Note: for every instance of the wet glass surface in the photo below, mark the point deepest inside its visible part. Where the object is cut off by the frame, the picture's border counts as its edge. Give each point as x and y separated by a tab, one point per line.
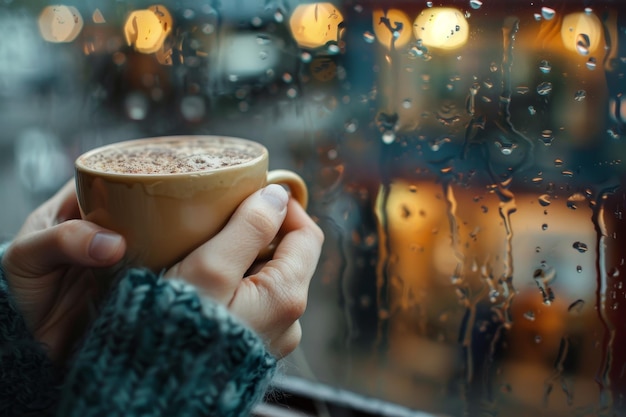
464	160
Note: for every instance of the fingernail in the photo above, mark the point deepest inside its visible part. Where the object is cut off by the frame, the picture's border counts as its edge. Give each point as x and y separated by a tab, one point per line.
104	245
276	195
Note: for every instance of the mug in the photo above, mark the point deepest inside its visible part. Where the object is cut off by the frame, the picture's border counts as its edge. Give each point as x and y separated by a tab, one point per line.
165	213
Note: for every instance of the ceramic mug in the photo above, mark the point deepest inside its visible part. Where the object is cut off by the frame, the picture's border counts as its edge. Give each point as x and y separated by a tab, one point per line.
168	195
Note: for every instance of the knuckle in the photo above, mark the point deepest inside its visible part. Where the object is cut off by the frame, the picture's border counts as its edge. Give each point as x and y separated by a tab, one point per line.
260	223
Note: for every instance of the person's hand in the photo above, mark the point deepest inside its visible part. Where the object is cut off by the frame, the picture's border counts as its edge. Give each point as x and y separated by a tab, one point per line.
49	270
272	296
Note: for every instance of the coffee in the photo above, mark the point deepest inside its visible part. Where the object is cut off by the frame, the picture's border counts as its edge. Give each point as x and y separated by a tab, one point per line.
173	156
169	195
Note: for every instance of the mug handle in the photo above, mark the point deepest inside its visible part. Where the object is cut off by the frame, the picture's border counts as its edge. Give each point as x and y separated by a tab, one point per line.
293	181
297	188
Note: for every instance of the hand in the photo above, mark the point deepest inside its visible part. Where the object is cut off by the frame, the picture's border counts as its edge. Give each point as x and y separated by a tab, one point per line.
49	269
272	296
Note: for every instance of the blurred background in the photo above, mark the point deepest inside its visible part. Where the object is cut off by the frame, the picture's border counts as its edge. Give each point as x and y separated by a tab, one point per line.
464	160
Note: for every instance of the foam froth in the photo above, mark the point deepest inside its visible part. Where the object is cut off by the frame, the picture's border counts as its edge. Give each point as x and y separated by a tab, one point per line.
175	156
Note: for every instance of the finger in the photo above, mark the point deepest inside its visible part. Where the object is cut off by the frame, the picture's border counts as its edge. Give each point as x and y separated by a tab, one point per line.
281	345
218	266
276	296
67	202
74	242
59	208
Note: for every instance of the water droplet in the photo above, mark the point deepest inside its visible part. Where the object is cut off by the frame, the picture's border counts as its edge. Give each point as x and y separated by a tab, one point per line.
580	95
369	37
567	173
558	162
529	315
580	247
576	307
582	44
537	180
544	200
407	103
544	88
531	110
591	64
476	4
351	126
537	16
547	13
279	17
579	269
544	226
547	137
388	137
429	4
538	339
545	67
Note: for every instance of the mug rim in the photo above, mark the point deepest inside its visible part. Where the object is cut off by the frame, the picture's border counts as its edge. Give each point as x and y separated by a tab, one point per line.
80	166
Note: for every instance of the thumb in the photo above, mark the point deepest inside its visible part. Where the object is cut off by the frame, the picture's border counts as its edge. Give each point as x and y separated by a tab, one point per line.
74	242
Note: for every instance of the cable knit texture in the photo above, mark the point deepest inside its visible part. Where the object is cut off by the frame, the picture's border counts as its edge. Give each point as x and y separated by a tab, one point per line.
156	349
28	381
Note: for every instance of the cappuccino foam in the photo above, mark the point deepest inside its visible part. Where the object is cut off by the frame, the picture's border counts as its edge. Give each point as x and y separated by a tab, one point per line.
170	156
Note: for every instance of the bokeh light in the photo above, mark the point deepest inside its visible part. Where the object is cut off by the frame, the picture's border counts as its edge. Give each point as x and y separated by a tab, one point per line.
315	25
442	28
147	29
60	23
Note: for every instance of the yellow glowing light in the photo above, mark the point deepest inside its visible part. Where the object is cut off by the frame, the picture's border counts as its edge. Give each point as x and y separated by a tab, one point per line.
441	27
60	23
147	29
581	32
392	27
314	25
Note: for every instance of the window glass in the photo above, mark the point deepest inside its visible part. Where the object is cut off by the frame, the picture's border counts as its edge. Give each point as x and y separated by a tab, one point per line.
465	161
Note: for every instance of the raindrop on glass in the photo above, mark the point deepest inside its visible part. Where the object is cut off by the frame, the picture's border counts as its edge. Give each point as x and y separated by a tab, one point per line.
351	126
580	95
537	16
547	13
529	315
591	64
544	226
544	200
538	339
580	247
547	137
579	269
531	110
407	104
292	93
429	4
256	21
333	49
279	17
545	67
476	4
576	307
388	137
583	43
369	37
544	88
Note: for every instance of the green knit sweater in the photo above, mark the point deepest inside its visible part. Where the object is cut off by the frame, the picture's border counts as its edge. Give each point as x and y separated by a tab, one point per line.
156	349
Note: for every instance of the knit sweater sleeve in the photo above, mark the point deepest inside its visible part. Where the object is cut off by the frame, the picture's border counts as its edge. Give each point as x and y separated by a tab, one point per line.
29	384
158	349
